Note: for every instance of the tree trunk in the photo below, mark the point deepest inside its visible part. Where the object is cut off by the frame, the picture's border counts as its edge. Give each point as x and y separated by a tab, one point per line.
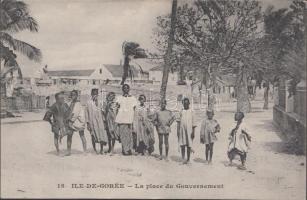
243	103
167	60
181	73
210	99
266	95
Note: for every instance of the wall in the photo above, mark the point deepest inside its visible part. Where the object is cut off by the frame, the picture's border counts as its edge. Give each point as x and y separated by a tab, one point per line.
290	115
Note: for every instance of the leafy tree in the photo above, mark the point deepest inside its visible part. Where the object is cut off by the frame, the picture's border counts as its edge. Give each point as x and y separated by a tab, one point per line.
219	36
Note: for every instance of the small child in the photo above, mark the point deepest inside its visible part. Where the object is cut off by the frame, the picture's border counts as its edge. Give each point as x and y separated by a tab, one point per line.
186	129
239	141
209	127
110	114
143	128
163	120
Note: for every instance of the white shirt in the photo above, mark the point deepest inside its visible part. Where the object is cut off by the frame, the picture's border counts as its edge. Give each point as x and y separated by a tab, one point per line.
125	113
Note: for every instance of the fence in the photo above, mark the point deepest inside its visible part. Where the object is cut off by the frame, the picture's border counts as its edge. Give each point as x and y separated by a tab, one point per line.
23	103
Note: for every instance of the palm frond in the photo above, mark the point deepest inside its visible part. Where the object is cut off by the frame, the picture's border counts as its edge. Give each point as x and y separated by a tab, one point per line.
26	49
15	17
30	51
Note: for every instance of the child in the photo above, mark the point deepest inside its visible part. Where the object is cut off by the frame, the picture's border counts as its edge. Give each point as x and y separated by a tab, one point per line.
186	129
208	129
141	127
110	115
76	120
57	117
163	120
239	141
94	115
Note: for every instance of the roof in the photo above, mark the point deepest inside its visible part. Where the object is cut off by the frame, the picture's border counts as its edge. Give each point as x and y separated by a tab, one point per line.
117	70
86	72
156	68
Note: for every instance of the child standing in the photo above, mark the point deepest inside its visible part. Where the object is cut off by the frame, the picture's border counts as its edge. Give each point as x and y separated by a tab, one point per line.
186	129
209	127
239	141
110	115
163	120
142	127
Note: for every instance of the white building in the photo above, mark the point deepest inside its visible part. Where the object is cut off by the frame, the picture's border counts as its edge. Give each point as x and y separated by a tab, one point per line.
105	74
155	75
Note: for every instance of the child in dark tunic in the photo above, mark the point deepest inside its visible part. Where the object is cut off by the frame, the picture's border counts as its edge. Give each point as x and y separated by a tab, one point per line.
57	116
110	114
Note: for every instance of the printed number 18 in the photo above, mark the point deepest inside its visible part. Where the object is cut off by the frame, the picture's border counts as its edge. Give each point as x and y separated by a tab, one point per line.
61	185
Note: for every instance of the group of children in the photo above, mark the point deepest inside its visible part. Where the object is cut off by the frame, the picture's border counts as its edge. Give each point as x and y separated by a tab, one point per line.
132	123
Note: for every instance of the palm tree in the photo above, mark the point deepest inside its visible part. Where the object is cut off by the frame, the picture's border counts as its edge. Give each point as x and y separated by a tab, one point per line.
15	17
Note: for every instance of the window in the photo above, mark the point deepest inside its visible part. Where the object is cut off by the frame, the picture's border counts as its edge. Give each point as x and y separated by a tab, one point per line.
54	81
100	71
94	82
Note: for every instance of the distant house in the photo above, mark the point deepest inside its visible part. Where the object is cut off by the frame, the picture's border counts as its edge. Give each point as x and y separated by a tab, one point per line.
105	74
155	75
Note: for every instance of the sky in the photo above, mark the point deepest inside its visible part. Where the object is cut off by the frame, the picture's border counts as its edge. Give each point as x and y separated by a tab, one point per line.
86	33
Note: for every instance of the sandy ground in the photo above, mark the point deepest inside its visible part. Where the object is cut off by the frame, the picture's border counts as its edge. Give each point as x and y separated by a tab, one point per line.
30	168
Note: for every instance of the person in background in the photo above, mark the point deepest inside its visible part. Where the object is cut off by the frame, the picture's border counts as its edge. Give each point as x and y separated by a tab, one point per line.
186	129
110	115
94	117
209	127
57	117
76	120
47	102
240	141
124	119
163	121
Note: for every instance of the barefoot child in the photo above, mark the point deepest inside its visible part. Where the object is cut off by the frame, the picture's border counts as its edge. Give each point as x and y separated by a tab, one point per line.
186	130
163	121
57	117
110	115
239	141
209	127
142	127
76	118
94	115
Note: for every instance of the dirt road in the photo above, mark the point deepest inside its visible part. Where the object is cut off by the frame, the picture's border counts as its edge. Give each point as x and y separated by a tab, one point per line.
30	168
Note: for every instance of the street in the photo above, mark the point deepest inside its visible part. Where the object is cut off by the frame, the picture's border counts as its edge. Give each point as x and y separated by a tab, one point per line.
30	167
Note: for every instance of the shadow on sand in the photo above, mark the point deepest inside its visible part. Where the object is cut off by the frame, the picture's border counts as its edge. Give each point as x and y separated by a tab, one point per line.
63	152
199	160
176	159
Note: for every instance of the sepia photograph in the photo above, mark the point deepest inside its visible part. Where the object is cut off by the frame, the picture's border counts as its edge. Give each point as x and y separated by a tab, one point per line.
153	99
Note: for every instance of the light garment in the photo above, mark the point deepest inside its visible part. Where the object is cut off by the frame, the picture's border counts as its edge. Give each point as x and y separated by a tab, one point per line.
163	120
239	138
94	116
77	116
207	131
142	125
187	122
125	113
